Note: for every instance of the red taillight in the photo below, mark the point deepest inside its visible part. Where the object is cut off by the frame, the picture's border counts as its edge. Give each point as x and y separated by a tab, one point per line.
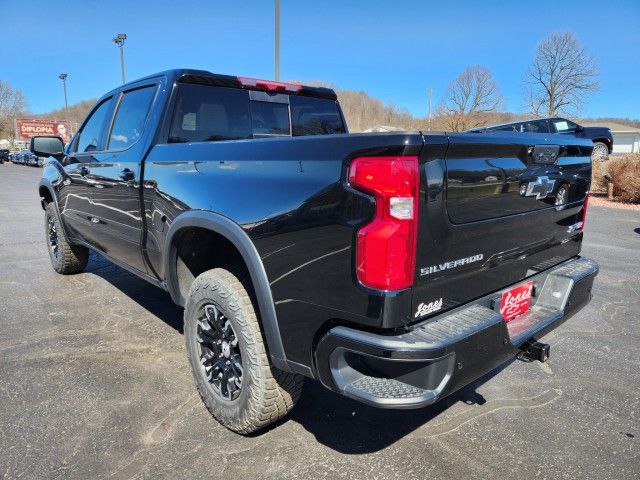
584	211
269	85
386	247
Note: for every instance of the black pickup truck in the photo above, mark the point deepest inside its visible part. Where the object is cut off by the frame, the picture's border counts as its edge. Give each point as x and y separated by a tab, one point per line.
393	268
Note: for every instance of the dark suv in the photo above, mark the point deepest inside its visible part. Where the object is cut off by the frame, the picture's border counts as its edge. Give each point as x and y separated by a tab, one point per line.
600	136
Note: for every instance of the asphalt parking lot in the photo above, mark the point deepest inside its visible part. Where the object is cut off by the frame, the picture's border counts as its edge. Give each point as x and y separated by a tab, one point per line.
94	383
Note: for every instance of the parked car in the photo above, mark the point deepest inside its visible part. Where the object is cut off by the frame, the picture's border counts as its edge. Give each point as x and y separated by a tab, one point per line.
15	157
394	268
28	158
601	137
4	155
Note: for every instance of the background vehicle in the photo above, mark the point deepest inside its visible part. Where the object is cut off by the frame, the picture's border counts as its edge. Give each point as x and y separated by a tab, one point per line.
23	157
28	158
4	155
16	157
601	137
31	160
395	268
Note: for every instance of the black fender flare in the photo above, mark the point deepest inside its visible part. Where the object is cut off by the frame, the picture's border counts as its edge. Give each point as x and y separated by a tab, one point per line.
239	238
44	182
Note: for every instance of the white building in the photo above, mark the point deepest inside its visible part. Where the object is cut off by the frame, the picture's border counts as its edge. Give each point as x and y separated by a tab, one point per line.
626	141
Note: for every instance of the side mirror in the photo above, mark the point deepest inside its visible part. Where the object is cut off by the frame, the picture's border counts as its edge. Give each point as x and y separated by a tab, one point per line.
46	146
579	128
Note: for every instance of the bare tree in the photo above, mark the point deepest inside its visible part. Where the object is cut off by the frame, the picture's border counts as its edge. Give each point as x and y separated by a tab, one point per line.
470	95
12	104
563	74
363	112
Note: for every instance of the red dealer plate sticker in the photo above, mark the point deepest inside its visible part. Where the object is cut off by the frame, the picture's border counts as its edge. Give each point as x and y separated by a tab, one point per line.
516	301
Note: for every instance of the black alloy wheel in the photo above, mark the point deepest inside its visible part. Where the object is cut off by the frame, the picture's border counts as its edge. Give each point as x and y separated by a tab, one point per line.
53	237
219	352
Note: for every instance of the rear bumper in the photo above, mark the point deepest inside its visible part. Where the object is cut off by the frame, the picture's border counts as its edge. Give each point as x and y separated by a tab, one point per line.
445	353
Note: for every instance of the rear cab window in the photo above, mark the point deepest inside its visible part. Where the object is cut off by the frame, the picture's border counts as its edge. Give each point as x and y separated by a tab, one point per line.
315	116
205	113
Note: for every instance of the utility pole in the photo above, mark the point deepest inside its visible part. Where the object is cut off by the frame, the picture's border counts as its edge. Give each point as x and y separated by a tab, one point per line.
119	41
430	95
277	41
63	77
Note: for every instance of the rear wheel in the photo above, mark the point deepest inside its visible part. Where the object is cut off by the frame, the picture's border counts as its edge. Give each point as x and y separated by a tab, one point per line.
228	358
65	258
600	151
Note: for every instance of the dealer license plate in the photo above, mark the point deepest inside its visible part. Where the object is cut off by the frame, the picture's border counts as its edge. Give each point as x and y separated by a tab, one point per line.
516	301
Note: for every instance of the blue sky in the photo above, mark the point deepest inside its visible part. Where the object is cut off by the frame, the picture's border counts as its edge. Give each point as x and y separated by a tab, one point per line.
393	49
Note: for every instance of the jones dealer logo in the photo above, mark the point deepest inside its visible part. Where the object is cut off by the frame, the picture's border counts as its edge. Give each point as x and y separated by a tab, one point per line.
516	301
426	308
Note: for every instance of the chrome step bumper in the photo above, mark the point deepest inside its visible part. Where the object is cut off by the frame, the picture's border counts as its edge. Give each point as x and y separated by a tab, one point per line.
446	352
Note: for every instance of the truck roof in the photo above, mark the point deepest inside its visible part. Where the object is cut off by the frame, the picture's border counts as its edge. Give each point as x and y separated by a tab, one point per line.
514	122
190	75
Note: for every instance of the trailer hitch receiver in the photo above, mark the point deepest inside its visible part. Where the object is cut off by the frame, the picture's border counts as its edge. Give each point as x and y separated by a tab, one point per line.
532	350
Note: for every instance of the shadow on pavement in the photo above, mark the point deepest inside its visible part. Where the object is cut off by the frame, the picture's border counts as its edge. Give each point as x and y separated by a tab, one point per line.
337	422
350	427
155	300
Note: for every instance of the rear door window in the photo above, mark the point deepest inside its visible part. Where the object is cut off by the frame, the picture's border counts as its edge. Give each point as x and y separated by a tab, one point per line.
506	128
535	126
543	126
130	117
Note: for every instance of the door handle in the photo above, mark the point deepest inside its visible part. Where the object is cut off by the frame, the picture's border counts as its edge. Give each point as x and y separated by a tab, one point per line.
84	171
127	175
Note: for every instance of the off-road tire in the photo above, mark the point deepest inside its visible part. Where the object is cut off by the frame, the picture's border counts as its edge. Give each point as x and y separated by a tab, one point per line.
267	394
69	258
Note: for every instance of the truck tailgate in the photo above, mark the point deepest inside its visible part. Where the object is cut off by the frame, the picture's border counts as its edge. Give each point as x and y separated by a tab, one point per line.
496	209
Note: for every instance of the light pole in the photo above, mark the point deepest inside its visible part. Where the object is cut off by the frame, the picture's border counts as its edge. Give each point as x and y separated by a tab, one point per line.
119	41
63	77
277	41
430	94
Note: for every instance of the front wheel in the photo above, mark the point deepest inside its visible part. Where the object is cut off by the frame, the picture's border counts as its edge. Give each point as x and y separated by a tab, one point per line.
65	257
228	358
600	151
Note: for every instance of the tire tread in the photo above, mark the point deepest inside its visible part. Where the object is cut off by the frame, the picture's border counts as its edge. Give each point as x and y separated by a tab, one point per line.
277	391
72	258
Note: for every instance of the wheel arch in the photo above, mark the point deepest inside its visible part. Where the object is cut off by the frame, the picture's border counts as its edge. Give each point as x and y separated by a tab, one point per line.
47	193
234	233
